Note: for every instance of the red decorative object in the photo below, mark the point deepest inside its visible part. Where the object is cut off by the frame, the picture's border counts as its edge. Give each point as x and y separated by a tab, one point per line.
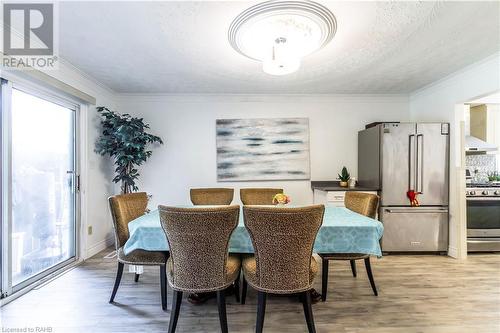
412	195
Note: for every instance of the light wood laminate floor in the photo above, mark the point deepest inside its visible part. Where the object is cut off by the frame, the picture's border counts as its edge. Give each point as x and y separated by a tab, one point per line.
416	294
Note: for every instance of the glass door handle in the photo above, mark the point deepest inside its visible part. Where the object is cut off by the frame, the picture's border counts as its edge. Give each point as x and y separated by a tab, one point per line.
77	180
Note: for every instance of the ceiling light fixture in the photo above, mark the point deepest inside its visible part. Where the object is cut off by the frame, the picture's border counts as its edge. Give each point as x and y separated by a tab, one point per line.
281	33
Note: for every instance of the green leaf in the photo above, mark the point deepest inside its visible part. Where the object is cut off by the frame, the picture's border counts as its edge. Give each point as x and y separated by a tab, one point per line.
124	139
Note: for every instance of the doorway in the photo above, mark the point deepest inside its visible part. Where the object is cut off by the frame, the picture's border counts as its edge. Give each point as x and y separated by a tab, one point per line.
39	189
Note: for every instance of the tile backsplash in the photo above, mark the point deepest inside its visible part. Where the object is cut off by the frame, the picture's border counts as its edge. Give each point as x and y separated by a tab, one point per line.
480	166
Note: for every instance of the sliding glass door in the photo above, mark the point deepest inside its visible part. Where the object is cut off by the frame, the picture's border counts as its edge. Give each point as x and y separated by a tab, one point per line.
39	186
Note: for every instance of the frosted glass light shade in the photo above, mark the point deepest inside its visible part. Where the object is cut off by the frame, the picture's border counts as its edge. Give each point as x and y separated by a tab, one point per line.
280	66
306	26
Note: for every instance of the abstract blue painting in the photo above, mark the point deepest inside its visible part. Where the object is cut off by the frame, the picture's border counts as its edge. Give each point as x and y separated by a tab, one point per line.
262	149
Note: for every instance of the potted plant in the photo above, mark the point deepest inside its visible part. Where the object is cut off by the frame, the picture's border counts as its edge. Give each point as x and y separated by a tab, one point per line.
344	177
494	177
125	140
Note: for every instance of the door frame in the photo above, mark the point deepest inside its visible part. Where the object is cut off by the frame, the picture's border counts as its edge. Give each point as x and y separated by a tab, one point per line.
6	189
458	167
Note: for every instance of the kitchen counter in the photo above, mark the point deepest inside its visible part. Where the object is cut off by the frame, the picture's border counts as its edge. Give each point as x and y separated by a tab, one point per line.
334	186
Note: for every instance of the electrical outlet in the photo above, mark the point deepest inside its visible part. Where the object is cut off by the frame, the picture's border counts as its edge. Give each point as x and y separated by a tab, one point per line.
89	230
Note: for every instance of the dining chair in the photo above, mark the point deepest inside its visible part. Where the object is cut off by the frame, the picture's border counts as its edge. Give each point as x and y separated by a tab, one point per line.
364	204
211	196
199	262
258	196
125	208
283	241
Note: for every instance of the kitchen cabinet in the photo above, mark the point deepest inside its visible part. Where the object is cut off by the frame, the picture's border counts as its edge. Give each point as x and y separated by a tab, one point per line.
334	197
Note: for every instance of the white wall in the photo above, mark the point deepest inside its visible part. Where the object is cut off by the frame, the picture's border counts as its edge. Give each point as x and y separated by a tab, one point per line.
440	102
494	128
187	125
437	100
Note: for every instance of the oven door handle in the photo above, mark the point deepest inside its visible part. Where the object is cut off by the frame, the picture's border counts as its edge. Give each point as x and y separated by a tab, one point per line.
483	198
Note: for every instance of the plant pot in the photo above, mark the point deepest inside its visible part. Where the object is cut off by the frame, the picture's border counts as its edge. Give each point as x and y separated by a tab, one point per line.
343	184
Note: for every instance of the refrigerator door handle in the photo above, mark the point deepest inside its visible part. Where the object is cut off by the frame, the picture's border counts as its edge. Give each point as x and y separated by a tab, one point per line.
411	162
419	172
409	210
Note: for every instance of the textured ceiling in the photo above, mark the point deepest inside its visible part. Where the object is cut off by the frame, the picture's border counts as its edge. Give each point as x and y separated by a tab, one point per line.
182	47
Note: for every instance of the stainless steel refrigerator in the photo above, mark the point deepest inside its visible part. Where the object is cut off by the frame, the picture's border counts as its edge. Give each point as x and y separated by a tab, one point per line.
397	157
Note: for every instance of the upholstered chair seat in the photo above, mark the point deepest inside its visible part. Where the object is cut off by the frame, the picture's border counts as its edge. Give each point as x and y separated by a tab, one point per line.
258	196
233	265
125	208
365	204
211	196
142	257
249	266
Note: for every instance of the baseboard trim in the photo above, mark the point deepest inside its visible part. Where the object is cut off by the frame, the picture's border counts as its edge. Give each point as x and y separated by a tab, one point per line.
102	245
453	252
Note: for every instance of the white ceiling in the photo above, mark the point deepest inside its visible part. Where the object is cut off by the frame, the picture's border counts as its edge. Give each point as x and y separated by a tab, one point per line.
182	47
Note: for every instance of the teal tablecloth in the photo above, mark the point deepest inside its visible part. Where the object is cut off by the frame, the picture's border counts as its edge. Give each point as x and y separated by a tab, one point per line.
342	231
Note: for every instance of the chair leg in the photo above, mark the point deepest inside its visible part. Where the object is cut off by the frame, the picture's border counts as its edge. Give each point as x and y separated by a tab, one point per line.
163	287
370	275
136	278
324	280
306	302
237	288
353	268
261	311
176	306
221	304
119	274
244	288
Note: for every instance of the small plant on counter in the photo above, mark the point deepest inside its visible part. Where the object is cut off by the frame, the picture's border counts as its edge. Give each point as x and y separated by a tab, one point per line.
344	177
125	140
494	177
281	199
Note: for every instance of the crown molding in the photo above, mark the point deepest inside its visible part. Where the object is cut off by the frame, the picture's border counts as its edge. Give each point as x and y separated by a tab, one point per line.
446	81
65	63
265	98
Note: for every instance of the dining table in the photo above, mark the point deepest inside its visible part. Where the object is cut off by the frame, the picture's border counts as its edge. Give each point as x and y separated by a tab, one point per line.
342	231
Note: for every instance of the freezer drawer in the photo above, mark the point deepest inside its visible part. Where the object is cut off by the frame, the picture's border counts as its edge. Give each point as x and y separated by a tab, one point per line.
414	229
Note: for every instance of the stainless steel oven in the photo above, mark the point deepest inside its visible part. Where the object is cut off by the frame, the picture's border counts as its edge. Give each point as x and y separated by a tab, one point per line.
483	218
